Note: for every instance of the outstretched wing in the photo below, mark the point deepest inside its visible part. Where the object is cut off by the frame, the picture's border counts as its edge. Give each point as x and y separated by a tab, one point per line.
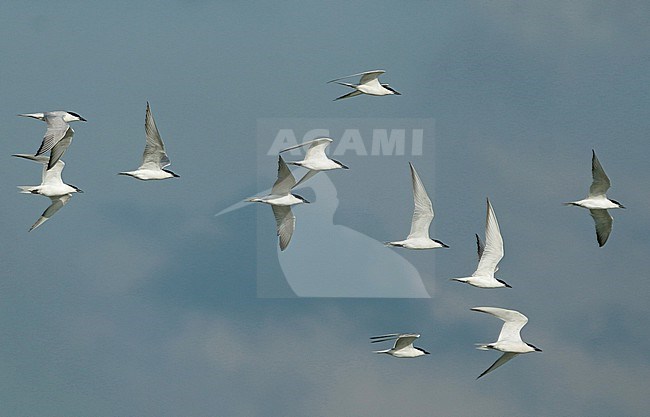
603	221
513	322
285	223
305	177
601	182
423	210
285	181
502	359
316	147
493	250
57	129
368	75
384	337
57	203
371	77
59	149
405	340
348	95
154	154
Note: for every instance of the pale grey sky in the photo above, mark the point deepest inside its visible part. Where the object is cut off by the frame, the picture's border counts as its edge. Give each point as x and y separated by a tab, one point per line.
135	300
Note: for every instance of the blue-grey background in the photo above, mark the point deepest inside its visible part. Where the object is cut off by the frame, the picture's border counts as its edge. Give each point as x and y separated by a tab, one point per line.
135	300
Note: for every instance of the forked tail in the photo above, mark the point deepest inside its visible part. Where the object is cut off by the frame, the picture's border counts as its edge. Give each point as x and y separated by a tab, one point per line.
27	189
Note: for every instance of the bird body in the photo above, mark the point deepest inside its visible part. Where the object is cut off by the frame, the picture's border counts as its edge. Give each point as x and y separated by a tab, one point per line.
278	200
419	238
51	183
154	157
318	165
418	243
153	173
403	346
596	203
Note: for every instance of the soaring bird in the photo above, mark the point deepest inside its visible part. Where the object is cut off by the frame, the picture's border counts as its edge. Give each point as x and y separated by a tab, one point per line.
419	238
51	186
597	202
154	158
368	84
489	255
281	201
403	347
509	341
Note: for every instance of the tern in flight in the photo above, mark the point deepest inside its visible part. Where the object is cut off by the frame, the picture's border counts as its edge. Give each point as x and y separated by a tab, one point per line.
418	238
281	201
509	341
315	158
154	158
597	202
51	186
489	255
368	84
58	135
403	347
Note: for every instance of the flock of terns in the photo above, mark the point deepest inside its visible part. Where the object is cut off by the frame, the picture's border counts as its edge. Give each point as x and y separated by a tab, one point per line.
58	138
490	254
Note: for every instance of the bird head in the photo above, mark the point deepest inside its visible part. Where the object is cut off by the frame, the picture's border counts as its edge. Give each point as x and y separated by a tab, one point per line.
617	203
72	117
301	198
505	284
388	87
534	347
